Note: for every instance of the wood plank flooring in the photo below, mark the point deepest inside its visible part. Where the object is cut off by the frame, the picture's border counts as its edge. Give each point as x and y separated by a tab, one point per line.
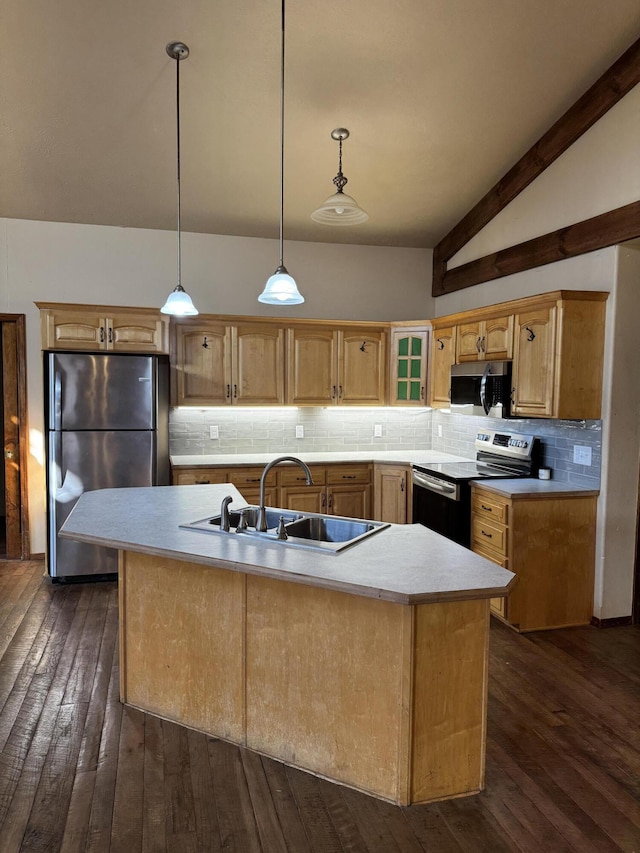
80	772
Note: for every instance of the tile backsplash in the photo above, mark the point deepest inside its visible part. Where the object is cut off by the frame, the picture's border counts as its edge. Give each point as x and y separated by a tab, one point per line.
273	430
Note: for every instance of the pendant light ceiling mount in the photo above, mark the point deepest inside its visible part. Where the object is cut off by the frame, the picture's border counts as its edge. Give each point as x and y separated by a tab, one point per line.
281	288
179	302
340	208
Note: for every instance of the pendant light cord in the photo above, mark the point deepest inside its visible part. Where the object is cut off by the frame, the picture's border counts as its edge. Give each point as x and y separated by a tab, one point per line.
282	139
178	168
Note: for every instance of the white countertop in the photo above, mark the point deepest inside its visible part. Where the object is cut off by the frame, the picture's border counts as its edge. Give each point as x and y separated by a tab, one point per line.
407	564
531	487
401	457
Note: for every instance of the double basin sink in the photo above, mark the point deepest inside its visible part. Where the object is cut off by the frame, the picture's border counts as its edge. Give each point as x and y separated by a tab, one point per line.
326	533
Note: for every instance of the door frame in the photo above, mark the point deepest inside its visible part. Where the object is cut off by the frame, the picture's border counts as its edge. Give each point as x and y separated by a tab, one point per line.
21	497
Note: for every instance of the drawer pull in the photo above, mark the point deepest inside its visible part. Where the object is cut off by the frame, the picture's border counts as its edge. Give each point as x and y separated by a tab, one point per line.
349	476
203	482
486	508
252	479
488	535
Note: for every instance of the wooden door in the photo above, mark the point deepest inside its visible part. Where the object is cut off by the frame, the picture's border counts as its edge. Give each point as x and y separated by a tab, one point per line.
362	368
534	363
391	492
443	350
312	367
14	424
203	365
408	367
137	332
468	342
258	365
74	329
353	501
497	338
303	498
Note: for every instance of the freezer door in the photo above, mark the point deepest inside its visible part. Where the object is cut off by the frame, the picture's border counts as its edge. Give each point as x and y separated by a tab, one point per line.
101	391
81	462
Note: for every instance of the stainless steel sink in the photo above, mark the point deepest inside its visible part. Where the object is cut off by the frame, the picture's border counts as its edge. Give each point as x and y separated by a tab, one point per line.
326	533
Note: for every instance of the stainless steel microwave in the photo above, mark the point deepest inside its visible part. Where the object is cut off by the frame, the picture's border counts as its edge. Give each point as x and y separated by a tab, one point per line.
481	388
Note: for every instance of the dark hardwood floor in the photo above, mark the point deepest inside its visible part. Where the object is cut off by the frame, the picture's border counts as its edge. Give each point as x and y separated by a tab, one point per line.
79	772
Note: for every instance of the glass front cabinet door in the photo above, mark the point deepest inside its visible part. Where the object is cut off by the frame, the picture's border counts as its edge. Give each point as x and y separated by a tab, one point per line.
408	366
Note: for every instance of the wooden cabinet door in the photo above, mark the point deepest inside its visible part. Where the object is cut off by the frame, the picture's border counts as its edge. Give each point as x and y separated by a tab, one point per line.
496	340
304	498
534	363
203	365
137	332
468	342
258	365
74	330
443	351
199	476
362	367
352	501
408	367
312	367
391	493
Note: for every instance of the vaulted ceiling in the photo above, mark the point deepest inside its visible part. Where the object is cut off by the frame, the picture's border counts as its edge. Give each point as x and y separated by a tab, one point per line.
441	97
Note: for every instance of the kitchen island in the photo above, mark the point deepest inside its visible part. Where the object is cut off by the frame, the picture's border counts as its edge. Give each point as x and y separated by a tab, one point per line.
367	667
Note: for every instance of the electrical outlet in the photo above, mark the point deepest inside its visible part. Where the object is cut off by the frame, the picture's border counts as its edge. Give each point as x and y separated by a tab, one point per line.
439	430
214	432
377	430
581	454
299	431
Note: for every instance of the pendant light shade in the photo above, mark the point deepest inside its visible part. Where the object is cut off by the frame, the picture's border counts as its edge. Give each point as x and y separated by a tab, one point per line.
281	288
340	208
179	302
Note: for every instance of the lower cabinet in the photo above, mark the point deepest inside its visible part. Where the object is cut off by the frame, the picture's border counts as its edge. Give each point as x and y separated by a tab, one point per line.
392	493
548	541
337	489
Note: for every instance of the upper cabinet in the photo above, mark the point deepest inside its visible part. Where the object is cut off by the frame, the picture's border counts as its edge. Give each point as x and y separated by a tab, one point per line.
485	340
408	366
328	367
98	327
218	364
443	355
556	341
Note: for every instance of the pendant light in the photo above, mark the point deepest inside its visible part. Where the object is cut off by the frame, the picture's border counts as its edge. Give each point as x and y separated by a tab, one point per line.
281	288
340	208
179	302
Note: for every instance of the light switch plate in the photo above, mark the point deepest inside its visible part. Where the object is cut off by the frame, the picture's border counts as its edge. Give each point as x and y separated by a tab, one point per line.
214	432
377	430
581	454
299	431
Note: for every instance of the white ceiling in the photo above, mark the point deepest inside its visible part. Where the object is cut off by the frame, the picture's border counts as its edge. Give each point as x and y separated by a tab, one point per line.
441	98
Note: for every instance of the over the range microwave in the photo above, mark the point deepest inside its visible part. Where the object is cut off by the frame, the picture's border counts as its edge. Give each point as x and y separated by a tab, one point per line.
481	389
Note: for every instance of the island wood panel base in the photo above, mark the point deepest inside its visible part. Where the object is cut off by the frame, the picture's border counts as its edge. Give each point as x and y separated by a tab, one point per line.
386	698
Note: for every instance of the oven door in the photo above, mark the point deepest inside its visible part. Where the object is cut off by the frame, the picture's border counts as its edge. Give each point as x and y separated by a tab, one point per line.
442	506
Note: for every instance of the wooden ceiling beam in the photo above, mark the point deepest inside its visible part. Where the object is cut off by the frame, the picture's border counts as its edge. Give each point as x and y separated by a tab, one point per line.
601	231
613	85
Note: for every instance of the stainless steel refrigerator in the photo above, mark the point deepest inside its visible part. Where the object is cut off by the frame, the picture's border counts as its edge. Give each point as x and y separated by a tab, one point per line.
107	420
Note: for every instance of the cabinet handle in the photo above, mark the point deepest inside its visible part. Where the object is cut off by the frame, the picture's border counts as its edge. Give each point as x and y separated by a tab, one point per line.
478	345
422	392
204	344
101	334
110	335
203	482
340	391
402	485
513	391
488	535
333	392
531	334
486	508
228	391
482	346
323	500
330	500
252	479
440	343
349	476
235	392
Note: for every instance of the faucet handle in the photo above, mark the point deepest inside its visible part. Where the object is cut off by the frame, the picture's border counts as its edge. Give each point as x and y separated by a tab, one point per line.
242	521
282	530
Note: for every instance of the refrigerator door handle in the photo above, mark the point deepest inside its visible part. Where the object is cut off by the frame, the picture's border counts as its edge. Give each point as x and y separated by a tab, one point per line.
55	463
57	401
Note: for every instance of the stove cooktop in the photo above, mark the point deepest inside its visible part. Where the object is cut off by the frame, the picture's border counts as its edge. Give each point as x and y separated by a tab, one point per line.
459	471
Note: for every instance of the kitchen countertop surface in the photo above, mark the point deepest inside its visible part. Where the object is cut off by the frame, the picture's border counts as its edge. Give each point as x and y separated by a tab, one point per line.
401	457
530	487
407	564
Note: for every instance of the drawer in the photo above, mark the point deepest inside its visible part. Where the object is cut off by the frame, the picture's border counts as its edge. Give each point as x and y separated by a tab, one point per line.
199	476
345	474
250	476
292	475
489	554
488	506
486	534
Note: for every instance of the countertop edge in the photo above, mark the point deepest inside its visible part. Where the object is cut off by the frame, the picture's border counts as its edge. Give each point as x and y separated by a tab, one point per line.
545	489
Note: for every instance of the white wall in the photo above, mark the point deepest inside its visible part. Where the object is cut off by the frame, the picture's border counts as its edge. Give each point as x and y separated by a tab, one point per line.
60	262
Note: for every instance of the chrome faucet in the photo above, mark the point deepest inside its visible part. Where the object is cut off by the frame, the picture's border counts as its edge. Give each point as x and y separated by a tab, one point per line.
224	513
261	524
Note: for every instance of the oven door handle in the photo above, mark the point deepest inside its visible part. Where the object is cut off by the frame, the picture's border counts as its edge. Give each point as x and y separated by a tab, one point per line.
426	483
486	404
